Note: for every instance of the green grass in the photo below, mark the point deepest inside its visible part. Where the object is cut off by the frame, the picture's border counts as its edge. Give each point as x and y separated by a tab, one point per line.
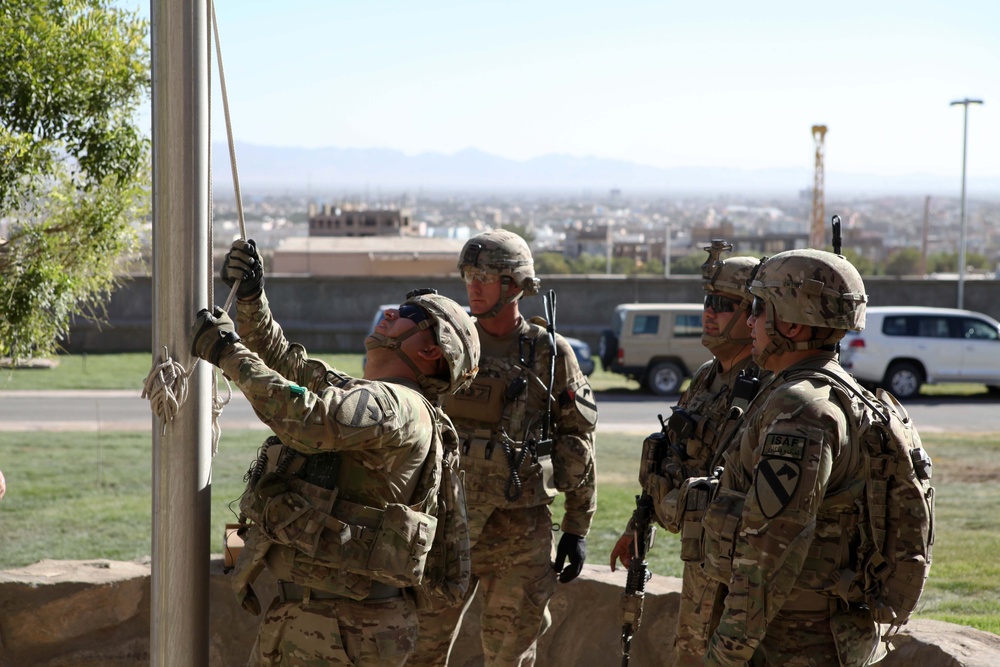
88	495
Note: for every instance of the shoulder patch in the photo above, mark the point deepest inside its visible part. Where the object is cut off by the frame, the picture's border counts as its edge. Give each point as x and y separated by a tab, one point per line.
359	409
775	483
582	398
784	446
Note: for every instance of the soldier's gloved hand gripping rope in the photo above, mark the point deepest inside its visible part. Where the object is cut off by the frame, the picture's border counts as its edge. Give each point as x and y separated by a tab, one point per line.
243	264
213	332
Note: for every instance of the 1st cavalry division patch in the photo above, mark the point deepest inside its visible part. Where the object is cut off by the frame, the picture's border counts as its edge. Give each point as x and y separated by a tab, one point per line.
359	409
778	472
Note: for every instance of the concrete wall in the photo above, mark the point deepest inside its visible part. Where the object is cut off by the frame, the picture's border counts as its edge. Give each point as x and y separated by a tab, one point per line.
332	314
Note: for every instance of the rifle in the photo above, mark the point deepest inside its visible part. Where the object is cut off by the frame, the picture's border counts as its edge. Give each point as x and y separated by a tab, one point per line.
643	533
512	491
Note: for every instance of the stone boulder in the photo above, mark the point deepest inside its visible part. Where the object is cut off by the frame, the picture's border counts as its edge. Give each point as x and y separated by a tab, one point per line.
97	614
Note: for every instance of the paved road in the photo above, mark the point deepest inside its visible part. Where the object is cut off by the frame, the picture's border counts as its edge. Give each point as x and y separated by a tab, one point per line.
621	411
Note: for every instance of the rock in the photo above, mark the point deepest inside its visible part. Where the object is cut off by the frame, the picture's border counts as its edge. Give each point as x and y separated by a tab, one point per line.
97	614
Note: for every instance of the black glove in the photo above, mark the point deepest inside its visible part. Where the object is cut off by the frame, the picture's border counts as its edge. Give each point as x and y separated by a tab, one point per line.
575	548
243	263
213	332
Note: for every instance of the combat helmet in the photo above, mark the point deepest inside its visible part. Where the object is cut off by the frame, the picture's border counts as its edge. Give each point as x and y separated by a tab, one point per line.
730	276
454	332
811	287
501	253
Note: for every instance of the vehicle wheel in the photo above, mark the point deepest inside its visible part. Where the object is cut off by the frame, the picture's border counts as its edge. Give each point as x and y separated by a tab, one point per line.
607	348
904	379
665	378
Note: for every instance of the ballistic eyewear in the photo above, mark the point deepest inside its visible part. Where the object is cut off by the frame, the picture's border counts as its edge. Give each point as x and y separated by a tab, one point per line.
481	278
415	314
720	304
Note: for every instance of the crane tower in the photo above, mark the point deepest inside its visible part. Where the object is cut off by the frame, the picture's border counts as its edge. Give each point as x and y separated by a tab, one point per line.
817	228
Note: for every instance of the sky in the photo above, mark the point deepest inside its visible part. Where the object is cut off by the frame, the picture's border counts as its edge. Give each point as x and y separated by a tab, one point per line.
666	83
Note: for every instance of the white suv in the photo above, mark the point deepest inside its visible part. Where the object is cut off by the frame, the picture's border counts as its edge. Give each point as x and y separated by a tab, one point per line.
905	347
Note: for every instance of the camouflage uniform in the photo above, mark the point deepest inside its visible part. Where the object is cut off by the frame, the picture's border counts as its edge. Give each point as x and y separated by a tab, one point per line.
351	449
783	525
512	537
702	425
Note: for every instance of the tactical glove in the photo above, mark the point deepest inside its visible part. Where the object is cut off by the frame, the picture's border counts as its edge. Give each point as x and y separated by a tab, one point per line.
573	547
213	332
243	263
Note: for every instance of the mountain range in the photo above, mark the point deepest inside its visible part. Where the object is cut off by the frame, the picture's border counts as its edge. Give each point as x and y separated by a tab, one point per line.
274	169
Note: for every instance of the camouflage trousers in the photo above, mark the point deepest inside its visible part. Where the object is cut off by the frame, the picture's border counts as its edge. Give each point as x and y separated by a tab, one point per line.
698	614
847	638
336	631
512	571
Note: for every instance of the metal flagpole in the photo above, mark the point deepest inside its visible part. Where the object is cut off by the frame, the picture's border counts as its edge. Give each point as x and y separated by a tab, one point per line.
961	244
182	450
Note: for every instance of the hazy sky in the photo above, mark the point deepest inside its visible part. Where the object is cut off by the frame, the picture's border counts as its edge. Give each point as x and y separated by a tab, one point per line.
666	83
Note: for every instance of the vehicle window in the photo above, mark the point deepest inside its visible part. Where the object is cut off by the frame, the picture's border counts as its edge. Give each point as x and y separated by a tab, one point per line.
687	326
933	327
977	329
646	324
896	326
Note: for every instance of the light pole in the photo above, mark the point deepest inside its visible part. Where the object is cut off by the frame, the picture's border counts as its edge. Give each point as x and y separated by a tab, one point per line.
961	244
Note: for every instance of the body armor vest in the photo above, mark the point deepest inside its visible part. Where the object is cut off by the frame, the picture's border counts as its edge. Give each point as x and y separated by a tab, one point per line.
313	528
500	423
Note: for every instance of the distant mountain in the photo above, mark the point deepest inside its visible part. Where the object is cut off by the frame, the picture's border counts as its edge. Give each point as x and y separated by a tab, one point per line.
273	168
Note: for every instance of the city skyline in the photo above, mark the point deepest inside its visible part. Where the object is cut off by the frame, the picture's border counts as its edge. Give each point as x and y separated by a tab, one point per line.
663	84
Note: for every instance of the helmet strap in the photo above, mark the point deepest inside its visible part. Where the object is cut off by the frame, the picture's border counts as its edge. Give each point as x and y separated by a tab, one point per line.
725	336
395	343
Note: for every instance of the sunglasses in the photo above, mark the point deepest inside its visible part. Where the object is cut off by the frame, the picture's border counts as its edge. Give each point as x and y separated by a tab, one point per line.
719	303
415	314
757	307
481	278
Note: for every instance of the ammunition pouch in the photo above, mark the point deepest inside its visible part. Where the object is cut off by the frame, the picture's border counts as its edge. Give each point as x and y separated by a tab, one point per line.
482	401
695	496
721	527
487	474
654	451
294	501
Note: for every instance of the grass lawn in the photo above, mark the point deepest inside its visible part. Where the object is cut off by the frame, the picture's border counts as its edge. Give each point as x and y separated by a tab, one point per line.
87	495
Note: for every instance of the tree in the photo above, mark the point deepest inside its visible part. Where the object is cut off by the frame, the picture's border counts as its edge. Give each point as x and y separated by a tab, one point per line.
521	231
903	262
74	165
551	263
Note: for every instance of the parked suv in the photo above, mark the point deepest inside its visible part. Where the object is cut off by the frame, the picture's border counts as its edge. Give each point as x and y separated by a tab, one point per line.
657	344
904	347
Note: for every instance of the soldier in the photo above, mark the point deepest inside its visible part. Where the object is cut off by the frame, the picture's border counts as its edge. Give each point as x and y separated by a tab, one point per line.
350	462
513	468
783	527
701	425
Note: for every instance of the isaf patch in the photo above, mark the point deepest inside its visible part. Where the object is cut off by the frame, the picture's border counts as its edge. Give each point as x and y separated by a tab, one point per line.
359	409
785	446
775	483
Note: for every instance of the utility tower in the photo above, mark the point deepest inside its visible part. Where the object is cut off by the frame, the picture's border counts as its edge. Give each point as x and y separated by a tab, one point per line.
817	228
